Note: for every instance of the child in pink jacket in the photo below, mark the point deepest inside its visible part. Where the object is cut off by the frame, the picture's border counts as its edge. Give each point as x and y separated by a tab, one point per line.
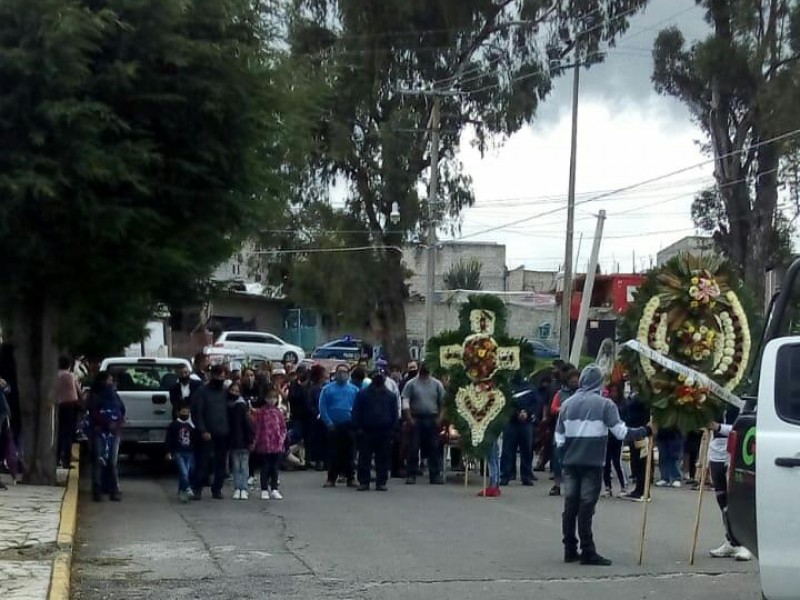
269	424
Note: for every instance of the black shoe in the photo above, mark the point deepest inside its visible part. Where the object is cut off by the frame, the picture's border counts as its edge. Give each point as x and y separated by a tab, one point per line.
352	484
527	483
363	488
114	497
217	496
595	560
571	556
196	497
381	488
539	469
411	480
534	478
437	481
555	490
504	482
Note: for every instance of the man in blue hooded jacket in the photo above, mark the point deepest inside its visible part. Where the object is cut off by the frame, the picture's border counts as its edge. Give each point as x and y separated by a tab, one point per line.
584	423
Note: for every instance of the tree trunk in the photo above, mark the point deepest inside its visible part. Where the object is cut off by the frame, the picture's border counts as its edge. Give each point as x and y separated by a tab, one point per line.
36	355
391	311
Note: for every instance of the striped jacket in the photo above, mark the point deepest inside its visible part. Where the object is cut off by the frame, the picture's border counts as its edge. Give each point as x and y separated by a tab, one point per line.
585	421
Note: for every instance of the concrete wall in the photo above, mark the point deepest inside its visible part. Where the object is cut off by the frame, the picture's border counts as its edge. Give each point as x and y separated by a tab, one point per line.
523	280
491	256
694	244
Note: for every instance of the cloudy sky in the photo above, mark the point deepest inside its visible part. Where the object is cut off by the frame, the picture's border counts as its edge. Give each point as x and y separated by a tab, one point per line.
627	134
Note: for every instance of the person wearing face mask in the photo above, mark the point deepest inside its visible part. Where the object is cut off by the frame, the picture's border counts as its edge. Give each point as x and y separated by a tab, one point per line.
336	411
181	392
240	439
210	416
423	406
181	442
269	426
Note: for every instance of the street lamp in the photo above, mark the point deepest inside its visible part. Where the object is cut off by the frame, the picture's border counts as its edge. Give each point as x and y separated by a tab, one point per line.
394	216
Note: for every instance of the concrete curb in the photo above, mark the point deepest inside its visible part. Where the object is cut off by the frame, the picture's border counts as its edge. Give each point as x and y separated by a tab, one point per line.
62	564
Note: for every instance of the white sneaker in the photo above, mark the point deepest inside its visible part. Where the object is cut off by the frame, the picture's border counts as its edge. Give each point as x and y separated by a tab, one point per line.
237	495
676	484
243	495
265	494
276	495
724	551
662	483
742	554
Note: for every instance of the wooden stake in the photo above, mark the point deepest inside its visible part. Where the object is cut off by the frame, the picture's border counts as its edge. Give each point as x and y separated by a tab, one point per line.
466	472
703	471
647	477
485	462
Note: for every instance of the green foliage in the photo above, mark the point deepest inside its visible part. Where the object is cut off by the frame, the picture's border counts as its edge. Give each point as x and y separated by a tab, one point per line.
142	140
370	138
742	85
457	377
464	275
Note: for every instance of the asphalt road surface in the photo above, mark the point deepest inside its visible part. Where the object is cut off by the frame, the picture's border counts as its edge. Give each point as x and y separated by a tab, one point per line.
412	542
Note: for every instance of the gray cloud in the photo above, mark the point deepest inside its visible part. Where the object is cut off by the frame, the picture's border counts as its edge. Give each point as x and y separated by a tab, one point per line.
623	79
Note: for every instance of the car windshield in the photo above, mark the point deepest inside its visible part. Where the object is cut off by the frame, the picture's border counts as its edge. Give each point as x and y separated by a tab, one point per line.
144	378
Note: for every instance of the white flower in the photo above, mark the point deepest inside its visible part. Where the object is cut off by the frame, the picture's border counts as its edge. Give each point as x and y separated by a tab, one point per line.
689	381
697	337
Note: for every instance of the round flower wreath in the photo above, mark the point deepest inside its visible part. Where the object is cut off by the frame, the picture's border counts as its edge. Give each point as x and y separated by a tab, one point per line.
688	311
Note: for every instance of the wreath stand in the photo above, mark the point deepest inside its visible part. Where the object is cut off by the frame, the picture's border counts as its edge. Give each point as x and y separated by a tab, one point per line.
648	476
703	474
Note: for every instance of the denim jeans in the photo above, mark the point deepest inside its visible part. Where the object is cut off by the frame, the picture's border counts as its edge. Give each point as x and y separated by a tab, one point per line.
184	461
581	491
493	464
670	455
555	462
517	435
241	464
105	474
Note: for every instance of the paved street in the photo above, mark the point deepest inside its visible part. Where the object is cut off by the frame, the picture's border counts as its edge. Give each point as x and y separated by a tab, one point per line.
412	542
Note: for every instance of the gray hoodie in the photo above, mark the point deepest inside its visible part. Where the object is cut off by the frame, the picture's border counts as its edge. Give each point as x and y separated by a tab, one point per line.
585	421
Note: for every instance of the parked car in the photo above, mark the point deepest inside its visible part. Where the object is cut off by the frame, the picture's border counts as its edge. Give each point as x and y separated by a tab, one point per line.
347	349
262	344
542	350
143	384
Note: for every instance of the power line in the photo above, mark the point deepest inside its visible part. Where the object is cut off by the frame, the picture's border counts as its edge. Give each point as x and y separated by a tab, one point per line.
633	186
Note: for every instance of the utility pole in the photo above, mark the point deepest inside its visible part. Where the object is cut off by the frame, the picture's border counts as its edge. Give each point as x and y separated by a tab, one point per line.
566	300
588	286
433	194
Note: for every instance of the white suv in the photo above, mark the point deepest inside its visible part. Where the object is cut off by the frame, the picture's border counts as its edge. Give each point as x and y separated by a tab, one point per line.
259	343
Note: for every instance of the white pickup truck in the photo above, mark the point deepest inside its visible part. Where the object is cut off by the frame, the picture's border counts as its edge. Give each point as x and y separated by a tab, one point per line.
143	384
764	484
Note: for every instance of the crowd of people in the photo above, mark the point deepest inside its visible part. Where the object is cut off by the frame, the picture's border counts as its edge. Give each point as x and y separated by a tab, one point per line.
250	425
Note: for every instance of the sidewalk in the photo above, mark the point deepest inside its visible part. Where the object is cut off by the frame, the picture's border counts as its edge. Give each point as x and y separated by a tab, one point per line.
35	545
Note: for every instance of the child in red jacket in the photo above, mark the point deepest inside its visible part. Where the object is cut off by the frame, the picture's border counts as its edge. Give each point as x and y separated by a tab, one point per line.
269	424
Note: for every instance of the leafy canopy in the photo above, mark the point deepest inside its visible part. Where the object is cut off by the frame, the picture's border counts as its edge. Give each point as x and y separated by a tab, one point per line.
141	138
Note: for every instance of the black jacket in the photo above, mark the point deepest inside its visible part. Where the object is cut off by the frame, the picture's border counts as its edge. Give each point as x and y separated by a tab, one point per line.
176	397
527	398
300	402
636	414
241	428
181	436
210	411
375	408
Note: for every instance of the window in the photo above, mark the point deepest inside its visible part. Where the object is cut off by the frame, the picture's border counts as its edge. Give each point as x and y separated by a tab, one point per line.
249	338
271	340
787	384
144	378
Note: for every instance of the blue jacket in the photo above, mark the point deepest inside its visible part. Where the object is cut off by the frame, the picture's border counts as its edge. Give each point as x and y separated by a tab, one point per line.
336	403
